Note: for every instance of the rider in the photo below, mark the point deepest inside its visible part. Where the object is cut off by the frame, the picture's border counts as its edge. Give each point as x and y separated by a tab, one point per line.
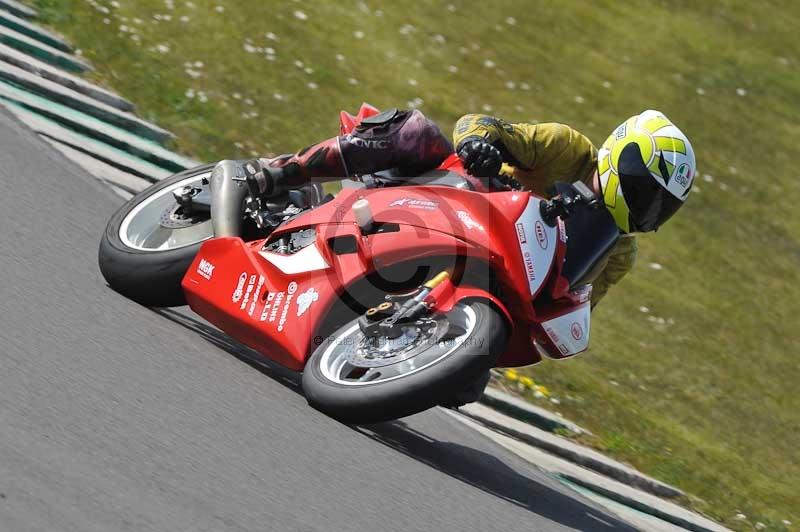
643	171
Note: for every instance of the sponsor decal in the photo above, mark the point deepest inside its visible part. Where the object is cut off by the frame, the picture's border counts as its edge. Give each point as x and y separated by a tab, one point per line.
256	296
305	300
276	305
205	269
413	203
467	220
552	334
285	312
562	231
267	306
250	285
239	291
683	175
369	144
529	269
576	330
564	349
541	236
521	234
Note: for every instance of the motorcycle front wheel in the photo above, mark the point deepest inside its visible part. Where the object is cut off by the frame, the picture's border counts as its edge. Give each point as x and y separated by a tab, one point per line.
150	242
360	379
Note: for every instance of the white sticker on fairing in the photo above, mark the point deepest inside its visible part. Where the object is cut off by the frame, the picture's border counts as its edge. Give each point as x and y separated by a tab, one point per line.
305	300
570	332
250	285
537	242
238	292
308	259
205	269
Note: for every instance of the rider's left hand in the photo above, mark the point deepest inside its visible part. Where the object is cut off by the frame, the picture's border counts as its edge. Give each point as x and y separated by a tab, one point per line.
480	158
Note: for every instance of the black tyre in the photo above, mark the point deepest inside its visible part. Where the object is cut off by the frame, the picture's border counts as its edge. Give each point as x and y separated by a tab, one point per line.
148	244
346	379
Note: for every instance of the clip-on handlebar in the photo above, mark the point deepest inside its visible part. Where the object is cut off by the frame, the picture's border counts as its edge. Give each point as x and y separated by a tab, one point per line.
565	204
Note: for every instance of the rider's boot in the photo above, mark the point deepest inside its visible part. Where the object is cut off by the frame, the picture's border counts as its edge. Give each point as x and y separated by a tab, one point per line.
316	164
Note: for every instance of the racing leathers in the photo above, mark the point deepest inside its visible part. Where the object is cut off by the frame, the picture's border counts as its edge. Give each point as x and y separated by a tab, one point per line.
538	155
405	140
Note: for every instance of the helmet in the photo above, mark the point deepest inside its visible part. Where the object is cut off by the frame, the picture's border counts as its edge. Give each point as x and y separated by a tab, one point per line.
646	169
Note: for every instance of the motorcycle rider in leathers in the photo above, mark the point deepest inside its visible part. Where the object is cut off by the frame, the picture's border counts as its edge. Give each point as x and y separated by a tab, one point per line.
643	172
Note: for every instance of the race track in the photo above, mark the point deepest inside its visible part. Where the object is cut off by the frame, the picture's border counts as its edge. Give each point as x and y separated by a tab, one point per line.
117	417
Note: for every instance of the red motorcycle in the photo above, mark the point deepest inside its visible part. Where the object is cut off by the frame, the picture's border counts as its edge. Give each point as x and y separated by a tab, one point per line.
391	298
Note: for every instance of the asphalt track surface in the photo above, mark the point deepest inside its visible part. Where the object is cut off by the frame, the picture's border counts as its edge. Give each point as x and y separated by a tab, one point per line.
117	417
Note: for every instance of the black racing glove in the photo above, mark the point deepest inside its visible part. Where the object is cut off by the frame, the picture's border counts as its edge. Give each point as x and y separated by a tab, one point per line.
480	158
260	180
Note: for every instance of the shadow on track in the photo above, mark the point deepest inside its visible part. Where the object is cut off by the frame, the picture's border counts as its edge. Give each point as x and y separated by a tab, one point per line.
490	474
476	468
275	371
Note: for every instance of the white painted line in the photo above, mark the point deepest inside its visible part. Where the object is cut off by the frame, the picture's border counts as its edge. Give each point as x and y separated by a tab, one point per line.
88	125
20	10
33	31
78	101
108	154
102	171
56	75
44	52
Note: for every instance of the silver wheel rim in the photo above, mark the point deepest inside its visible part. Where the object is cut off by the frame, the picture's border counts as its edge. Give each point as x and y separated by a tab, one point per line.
141	228
335	360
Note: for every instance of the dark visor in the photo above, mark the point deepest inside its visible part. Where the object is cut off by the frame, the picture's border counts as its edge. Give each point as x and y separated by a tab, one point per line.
649	203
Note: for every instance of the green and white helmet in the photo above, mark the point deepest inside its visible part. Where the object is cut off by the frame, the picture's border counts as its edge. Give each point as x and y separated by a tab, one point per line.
646	168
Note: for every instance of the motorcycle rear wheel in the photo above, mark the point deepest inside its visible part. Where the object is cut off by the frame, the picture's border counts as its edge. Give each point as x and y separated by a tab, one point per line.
343	384
148	245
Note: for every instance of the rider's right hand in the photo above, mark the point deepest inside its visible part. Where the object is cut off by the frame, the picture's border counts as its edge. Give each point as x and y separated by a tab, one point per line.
480	158
258	178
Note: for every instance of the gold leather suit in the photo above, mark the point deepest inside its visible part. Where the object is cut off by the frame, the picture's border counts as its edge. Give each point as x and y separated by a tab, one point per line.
538	155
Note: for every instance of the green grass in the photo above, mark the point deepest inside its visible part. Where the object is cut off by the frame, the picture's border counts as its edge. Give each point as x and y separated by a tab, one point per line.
706	400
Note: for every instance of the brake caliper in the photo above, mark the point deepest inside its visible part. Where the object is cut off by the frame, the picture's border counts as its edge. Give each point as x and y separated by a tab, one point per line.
387	319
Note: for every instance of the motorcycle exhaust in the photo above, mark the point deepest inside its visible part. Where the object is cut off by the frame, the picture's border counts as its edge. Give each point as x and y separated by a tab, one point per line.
228	192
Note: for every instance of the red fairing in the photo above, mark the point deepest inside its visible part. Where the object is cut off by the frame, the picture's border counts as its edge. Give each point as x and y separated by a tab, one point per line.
278	313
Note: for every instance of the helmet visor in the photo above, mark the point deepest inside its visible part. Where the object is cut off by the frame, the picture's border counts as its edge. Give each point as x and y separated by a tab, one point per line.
649	203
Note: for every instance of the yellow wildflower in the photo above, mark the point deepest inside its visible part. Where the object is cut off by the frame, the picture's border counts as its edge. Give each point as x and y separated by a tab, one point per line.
527	382
542	390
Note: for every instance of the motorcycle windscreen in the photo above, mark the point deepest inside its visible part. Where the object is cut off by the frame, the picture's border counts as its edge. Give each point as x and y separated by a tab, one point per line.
591	235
